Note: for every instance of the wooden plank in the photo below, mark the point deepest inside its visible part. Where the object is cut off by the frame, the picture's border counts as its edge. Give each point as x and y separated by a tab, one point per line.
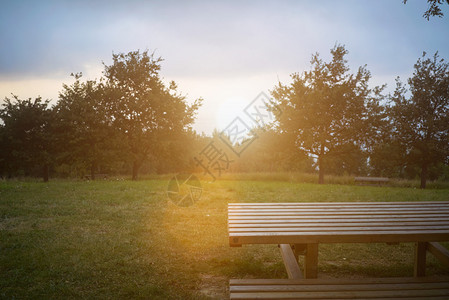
290	262
343	294
344	222
339	208
342	206
369	213
236	297
372	288
444	233
338	237
311	261
396	207
311	217
342	281
334	224
337	203
327	204
339	228
336	220
335	213
420	259
354	286
341	223
441	253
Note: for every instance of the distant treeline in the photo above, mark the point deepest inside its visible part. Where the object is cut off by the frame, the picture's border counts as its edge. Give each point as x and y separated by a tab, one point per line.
331	121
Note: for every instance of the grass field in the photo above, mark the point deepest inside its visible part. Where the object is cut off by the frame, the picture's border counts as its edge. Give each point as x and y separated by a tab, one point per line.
125	240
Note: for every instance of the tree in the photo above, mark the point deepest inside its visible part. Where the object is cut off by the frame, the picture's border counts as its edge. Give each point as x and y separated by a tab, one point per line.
142	108
433	9
421	120
84	130
27	136
327	109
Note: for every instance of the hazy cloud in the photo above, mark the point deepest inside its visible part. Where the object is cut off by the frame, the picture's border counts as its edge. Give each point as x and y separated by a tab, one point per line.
221	41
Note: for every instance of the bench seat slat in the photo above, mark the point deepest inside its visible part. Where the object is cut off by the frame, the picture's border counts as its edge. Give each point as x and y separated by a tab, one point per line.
339	224
336	203
344	295
319	232
335	281
339	228
374	288
339	287
334	220
322	205
335	213
365	217
340	208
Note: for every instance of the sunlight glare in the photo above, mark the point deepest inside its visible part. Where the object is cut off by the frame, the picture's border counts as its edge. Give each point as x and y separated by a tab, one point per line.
228	110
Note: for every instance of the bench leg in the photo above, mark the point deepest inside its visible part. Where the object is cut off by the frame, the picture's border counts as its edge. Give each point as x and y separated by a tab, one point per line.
441	253
311	261
299	249
290	262
420	259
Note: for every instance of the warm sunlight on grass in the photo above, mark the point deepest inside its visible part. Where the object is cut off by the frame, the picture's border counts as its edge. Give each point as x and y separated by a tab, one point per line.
123	239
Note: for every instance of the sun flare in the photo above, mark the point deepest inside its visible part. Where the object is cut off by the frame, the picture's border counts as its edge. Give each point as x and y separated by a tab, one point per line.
228	110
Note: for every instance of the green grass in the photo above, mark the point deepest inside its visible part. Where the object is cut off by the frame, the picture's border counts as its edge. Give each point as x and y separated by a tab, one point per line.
300	177
124	240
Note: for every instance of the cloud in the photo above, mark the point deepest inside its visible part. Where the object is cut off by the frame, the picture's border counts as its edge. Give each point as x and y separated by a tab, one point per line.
214	49
207	38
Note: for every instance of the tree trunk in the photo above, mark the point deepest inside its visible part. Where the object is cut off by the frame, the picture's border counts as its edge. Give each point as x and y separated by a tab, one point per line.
45	173
320	166
136	167
92	171
423	175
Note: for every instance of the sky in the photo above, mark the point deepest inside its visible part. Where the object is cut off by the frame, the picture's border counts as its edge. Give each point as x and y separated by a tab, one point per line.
225	52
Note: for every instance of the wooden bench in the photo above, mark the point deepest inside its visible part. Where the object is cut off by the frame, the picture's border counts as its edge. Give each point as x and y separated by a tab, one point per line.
97	176
298	228
376	288
306	225
371	180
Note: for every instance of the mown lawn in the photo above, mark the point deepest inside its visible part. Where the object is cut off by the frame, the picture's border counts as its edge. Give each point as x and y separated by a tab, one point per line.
123	239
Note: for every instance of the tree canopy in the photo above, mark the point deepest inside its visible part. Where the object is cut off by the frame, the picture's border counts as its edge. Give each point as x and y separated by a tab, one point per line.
327	110
84	128
26	136
328	119
421	120
143	110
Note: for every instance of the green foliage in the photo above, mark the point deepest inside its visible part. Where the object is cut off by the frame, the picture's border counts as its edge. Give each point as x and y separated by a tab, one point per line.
129	122
84	132
129	116
421	121
143	110
328	111
26	137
